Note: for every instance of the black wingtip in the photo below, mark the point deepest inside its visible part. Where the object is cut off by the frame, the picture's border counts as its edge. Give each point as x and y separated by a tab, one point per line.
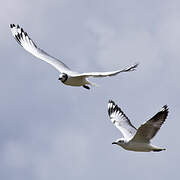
112	107
12	25
165	109
111	101
165	106
133	68
136	65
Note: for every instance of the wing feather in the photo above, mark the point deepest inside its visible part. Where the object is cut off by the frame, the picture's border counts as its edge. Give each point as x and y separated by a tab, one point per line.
110	73
121	121
26	42
149	129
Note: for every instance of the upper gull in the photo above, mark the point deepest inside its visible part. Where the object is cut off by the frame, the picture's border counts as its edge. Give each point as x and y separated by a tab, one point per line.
67	76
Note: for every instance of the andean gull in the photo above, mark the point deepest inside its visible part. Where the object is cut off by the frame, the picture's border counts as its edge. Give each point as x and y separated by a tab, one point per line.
136	139
67	76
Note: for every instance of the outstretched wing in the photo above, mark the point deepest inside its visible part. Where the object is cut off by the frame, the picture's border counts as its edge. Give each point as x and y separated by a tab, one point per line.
121	121
104	74
149	129
26	42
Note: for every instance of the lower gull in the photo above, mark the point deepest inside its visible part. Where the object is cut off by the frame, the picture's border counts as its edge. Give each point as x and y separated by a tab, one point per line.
136	139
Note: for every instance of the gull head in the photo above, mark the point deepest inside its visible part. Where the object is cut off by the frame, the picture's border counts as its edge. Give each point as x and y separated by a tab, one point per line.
63	77
119	142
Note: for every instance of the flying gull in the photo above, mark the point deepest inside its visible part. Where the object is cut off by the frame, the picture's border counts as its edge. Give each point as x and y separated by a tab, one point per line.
67	76
136	139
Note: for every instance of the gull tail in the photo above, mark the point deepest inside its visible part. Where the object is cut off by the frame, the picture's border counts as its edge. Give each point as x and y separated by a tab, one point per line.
156	149
92	84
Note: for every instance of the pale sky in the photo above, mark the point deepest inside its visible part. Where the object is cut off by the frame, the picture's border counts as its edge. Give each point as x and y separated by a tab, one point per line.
52	131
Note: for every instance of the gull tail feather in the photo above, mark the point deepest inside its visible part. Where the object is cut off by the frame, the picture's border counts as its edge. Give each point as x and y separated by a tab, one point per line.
157	149
92	84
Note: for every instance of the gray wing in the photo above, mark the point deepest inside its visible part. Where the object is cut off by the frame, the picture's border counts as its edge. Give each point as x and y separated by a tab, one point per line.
149	129
26	42
110	73
121	121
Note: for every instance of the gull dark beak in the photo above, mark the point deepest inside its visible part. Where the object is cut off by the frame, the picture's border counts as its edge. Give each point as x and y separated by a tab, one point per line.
114	143
59	79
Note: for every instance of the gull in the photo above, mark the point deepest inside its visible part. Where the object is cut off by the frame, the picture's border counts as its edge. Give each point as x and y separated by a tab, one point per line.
136	139
67	76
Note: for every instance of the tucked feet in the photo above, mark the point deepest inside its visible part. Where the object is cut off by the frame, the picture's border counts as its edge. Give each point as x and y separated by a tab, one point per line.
86	87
